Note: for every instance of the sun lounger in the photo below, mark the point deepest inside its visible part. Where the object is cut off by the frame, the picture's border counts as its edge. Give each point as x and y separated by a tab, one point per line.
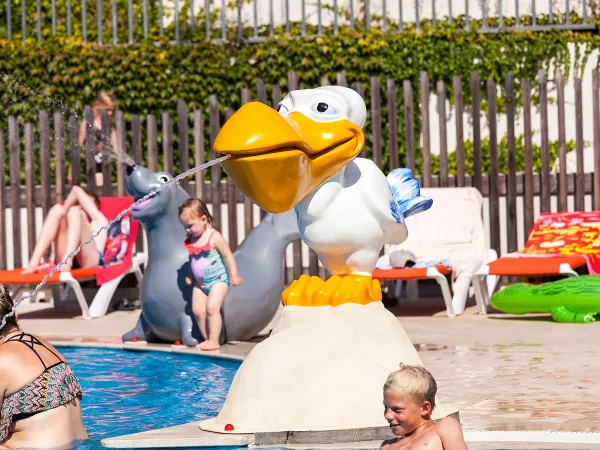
558	244
451	230
118	261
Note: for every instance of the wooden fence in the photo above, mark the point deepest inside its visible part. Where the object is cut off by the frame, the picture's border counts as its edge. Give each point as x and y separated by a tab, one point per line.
33	148
131	21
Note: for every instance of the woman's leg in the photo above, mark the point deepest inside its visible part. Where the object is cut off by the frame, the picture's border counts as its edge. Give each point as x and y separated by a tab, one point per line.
216	297
199	301
89	254
50	231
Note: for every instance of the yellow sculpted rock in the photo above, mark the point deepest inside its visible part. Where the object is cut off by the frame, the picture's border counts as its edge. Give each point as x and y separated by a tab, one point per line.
337	290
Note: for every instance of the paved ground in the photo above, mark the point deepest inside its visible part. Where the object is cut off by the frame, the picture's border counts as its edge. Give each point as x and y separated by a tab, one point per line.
504	373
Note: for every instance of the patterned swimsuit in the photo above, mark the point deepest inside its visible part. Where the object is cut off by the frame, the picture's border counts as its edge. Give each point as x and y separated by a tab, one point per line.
207	265
56	386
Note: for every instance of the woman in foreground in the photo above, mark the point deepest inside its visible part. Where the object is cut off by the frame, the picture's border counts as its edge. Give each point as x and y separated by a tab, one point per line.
39	393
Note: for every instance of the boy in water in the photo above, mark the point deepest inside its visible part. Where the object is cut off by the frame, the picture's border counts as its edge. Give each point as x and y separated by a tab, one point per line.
408	399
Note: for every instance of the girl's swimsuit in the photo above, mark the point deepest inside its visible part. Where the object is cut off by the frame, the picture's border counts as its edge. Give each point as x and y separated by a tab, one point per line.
207	265
56	386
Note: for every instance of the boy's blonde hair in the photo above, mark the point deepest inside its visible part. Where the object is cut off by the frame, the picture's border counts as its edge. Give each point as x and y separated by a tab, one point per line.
415	381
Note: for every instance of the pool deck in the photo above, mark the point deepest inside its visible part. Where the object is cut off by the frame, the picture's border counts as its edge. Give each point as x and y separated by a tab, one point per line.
504	373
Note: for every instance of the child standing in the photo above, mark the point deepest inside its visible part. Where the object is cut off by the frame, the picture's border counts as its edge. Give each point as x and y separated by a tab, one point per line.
210	260
408	399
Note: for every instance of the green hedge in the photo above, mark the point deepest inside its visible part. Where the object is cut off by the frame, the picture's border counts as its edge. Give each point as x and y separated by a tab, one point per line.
64	74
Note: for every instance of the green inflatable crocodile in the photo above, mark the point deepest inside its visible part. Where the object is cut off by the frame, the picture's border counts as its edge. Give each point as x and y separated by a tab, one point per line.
572	300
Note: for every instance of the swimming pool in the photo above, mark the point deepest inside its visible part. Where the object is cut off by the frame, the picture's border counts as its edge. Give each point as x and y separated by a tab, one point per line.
133	391
129	392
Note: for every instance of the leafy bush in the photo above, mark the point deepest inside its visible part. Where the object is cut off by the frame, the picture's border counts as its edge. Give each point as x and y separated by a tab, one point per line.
63	74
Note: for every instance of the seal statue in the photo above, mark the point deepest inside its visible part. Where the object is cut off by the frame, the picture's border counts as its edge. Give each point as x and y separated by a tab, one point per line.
166	298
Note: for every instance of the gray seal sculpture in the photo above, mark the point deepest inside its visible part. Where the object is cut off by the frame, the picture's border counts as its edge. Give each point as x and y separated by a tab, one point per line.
166	298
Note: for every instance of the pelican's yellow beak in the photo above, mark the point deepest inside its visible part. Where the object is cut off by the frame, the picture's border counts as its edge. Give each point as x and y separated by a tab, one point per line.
276	161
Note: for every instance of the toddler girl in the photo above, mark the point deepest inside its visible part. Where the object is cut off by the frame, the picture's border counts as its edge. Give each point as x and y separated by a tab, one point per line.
210	260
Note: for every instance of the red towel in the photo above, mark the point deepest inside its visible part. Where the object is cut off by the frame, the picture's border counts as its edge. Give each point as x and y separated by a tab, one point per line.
561	234
117	255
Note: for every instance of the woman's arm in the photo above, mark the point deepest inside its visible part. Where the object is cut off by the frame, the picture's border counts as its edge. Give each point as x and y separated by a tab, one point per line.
79	196
114	142
223	248
82	132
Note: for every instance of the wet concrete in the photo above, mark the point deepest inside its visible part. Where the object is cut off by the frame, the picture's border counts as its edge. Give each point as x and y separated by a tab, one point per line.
502	372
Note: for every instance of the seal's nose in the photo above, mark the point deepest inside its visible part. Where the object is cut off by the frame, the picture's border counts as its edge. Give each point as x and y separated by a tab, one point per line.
130	169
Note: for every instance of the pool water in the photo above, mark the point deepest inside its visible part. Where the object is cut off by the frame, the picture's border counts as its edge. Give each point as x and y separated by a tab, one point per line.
129	392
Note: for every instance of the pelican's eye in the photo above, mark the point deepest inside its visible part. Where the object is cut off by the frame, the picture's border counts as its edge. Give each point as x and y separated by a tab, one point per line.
164	179
282	109
324	108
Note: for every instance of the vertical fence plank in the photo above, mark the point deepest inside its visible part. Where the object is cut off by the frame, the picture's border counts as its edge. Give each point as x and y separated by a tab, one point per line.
441	98
130	21
99	20
376	120
248	205
579	176
215	175
152	131
84	20
23	20
15	188
115	25
231	203
59	151
493	178
359	88
392	107
167	129
38	17
136	153
596	117
9	20
426	149
145	17
207	17
90	148
3	204
136	139
562	143
30	186
44	162
460	138
528	210
545	156
325	81
223	21
199	151
476	117
69	19
340	79
122	146
275	95
176	13
261	91
409	127
108	154
183	135
511	181
75	151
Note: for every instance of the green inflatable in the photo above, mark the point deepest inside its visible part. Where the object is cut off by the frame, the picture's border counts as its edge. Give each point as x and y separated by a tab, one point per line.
572	300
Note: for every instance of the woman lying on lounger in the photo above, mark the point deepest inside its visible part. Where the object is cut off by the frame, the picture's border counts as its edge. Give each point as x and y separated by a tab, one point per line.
39	393
67	225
